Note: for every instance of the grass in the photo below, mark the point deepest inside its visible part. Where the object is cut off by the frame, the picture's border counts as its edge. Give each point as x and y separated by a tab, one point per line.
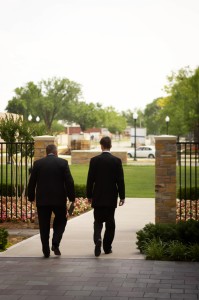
139	180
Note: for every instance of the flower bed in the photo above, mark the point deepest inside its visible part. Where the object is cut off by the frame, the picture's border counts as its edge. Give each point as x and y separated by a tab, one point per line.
187	209
24	211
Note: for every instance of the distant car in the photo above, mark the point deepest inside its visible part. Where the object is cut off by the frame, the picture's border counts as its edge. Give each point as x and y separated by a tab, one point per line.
143	151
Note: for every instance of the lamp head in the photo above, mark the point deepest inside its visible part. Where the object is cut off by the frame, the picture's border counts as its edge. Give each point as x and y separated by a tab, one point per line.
135	116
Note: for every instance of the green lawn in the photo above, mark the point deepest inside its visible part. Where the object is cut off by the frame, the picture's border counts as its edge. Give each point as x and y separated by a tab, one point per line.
139	180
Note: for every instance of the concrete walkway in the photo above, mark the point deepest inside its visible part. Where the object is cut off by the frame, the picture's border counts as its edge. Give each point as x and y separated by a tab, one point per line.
78	275
78	237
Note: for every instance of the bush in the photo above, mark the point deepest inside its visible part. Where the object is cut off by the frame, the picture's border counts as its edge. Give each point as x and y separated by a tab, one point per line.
193	252
188	193
178	241
176	251
188	231
154	249
80	191
164	232
9	190
3	238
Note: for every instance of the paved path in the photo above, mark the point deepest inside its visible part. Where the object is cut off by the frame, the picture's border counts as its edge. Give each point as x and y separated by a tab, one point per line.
77	274
78	237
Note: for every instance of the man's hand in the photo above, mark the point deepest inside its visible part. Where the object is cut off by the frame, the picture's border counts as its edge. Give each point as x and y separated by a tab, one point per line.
121	202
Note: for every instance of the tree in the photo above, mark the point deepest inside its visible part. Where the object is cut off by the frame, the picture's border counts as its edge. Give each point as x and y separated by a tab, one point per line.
183	104
14	129
151	115
115	122
47	99
23	103
129	118
84	114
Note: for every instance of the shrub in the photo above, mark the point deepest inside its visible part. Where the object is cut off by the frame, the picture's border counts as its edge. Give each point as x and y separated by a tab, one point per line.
154	249
176	251
188	193
165	232
80	191
193	252
3	238
9	190
188	231
178	241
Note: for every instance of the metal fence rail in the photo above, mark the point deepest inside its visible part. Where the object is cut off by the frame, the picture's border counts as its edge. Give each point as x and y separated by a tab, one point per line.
188	180
16	161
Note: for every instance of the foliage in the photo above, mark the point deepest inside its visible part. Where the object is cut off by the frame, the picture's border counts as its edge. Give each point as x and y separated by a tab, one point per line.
80	191
114	121
151	115
21	210
3	238
8	190
191	193
84	114
15	129
47	99
185	232
154	249
176	251
181	104
193	252
178	241
165	232
128	115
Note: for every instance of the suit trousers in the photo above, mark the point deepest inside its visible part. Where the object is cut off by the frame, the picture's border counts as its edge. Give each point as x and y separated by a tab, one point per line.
104	215
59	224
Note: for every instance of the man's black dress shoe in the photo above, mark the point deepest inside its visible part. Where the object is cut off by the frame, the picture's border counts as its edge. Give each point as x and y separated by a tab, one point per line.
98	248
46	254
56	250
108	252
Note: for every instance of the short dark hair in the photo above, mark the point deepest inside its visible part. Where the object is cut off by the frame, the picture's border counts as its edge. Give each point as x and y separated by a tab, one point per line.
51	149
106	142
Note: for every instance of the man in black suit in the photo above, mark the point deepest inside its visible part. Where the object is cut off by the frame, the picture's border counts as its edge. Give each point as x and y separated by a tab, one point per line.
51	183
104	183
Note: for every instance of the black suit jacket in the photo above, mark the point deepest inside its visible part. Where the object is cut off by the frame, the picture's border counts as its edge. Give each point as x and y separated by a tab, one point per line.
105	180
51	182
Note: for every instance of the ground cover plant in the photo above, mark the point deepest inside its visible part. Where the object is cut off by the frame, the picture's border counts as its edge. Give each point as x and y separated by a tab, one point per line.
179	242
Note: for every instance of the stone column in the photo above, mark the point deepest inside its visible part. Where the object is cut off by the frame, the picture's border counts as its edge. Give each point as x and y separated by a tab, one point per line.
41	142
165	179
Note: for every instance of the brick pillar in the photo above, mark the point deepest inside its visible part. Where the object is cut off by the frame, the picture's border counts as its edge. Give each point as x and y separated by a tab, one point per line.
41	142
165	179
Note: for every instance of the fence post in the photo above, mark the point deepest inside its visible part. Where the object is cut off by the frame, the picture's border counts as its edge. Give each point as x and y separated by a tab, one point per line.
41	142
165	179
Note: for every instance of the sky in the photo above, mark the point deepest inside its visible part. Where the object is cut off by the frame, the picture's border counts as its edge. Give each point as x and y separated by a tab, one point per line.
119	51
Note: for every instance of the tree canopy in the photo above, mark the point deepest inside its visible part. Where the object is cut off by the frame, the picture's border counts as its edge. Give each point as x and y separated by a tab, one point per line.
47	99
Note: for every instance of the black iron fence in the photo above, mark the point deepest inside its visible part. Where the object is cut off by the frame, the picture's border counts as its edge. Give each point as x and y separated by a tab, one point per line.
16	161
188	180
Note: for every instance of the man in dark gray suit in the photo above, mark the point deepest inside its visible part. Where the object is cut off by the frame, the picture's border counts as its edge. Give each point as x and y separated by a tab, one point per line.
51	183
104	183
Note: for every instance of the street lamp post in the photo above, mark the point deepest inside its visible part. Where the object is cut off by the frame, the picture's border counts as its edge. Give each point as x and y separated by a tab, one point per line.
167	119
135	116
